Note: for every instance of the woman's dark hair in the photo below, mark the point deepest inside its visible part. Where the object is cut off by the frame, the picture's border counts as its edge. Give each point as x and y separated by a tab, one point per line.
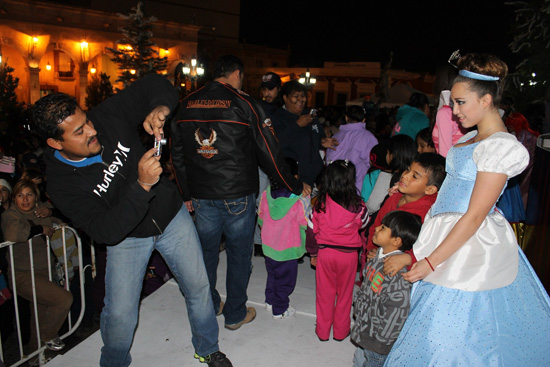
338	181
404	225
355	113
426	136
418	100
291	87
486	65
403	150
23	184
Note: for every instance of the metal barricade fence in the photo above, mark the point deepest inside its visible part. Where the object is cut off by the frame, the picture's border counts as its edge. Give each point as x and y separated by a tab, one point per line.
40	351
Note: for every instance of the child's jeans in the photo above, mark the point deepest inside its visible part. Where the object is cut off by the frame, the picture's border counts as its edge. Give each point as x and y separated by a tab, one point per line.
368	358
281	281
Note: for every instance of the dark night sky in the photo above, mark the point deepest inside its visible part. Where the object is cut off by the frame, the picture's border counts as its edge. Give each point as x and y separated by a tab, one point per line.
422	34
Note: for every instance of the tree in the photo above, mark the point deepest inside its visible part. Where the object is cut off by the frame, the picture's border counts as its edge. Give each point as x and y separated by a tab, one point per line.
532	40
98	90
135	55
10	109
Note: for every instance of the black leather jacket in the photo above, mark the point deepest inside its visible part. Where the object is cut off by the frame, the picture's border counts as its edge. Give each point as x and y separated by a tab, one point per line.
219	136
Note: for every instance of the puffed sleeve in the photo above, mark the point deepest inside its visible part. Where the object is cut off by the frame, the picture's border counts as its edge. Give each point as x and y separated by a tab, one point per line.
501	153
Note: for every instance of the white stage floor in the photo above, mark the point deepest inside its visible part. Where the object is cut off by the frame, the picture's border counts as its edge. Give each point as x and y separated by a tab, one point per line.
163	337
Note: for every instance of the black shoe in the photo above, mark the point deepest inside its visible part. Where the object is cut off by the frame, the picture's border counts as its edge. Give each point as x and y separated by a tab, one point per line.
216	359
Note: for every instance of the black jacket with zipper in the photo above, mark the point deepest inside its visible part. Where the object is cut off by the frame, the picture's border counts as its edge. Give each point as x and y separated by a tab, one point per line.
219	137
105	199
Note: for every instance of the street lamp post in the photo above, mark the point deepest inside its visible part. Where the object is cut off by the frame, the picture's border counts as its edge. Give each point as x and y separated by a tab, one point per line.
307	80
192	73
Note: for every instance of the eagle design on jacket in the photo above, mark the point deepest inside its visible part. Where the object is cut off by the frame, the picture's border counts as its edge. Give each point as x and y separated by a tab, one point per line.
206	145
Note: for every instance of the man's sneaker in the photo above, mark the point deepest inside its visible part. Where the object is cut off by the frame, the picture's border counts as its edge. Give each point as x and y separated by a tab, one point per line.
216	359
290	311
220	310
250	315
55	344
268	307
36	362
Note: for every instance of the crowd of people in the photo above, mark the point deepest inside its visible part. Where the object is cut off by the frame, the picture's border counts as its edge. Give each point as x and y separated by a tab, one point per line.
403	208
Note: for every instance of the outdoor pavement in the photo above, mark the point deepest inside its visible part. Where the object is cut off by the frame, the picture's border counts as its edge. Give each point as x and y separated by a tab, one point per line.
163	337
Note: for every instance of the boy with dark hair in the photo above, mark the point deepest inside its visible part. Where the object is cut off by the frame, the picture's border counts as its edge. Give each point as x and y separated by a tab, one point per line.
383	302
417	191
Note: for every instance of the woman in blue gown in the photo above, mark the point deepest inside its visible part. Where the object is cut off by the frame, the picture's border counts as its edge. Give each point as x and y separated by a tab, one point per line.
479	302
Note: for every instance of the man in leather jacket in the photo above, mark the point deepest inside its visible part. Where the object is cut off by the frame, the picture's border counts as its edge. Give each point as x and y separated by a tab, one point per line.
219	136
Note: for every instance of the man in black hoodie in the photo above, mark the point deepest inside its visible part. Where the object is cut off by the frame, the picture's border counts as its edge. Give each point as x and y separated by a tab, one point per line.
103	179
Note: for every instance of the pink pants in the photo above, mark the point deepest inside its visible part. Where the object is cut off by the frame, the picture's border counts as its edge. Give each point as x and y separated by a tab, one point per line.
335	277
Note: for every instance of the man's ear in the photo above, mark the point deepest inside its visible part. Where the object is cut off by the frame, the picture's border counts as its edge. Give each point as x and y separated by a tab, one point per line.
54	143
430	190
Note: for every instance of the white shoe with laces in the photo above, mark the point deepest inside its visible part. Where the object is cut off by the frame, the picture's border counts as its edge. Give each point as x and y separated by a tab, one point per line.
290	311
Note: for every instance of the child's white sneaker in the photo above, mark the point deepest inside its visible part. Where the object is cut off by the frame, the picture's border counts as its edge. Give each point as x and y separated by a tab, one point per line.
290	311
268	307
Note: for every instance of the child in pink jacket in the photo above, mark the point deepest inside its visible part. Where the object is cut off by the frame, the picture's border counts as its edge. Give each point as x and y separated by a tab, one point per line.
338	215
283	218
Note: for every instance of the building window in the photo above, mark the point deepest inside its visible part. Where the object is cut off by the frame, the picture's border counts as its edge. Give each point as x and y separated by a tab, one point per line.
64	65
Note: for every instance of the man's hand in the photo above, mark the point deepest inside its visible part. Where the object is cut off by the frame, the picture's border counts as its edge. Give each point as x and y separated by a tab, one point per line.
154	122
189	205
313	261
43	212
394	189
306	190
304	120
372	254
47	230
149	169
330	143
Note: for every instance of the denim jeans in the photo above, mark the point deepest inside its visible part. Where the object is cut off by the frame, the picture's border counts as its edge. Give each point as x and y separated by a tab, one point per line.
368	358
126	265
264	183
235	219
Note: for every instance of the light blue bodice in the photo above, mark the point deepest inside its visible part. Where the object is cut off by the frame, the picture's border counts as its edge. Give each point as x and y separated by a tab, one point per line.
454	195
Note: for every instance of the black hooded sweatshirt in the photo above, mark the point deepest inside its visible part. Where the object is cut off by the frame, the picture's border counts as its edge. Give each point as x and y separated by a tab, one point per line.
105	199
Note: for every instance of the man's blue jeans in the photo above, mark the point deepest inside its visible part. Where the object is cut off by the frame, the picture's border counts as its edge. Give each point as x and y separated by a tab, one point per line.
126	264
368	358
235	219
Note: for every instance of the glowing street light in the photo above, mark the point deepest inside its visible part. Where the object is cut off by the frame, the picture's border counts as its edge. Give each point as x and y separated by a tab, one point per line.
192	73
307	80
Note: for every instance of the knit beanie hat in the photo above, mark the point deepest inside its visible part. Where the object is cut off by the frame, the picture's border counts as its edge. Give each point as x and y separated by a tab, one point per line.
6	184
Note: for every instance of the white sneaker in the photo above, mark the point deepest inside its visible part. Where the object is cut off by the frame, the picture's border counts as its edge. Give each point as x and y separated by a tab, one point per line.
290	311
268	307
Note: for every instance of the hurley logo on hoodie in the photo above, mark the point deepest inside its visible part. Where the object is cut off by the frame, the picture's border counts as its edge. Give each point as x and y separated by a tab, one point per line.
109	172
